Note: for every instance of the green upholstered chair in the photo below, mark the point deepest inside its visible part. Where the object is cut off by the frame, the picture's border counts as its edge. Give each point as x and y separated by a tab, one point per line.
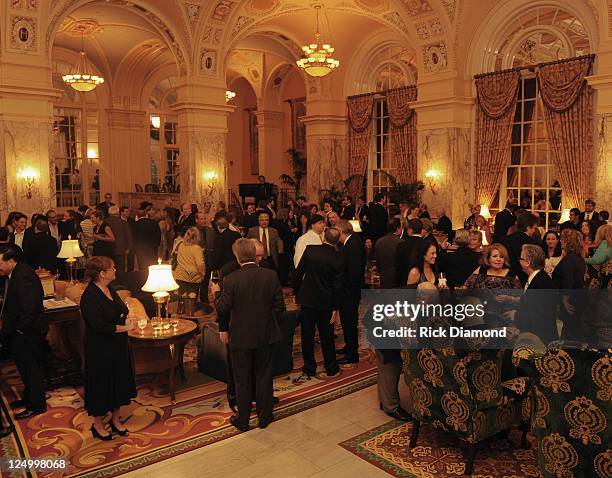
570	405
462	392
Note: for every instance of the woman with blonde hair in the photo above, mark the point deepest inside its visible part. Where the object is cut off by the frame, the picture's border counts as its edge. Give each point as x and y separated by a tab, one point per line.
569	275
189	270
603	253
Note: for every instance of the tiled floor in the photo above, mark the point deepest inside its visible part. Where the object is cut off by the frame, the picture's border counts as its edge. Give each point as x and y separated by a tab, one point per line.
302	445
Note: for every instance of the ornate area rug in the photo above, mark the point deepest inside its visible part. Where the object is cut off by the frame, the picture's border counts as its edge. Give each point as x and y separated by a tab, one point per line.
439	454
158	428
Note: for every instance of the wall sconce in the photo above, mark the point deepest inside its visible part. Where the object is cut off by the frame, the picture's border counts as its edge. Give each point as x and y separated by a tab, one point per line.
211	178
432	177
229	95
28	176
155	121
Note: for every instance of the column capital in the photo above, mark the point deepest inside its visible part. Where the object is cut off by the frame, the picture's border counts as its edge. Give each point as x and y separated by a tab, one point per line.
269	118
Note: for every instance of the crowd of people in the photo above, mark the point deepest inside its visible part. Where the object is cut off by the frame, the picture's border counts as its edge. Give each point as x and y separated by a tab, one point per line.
317	252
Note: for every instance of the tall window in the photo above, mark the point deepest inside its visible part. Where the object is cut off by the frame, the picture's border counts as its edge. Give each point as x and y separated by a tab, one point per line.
381	164
163	144
75	145
530	180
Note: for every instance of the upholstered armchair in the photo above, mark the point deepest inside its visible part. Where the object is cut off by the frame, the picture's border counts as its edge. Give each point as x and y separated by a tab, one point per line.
462	392
570	403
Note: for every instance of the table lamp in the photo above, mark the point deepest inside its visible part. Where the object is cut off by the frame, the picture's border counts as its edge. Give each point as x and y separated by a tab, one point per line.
160	282
565	216
70	251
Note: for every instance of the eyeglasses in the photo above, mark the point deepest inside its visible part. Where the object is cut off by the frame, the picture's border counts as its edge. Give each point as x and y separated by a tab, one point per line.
112	269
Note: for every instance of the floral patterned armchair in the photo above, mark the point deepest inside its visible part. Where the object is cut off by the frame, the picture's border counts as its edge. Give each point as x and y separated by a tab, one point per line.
462	392
572	388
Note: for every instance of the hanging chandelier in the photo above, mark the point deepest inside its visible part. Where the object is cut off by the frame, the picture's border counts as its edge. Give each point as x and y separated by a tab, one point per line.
229	95
317	60
82	78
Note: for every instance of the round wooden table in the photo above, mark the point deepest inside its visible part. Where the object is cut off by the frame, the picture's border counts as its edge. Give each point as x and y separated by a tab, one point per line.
171	340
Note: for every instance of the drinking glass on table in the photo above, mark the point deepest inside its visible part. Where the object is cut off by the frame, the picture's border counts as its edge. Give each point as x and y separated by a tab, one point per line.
142	324
174	321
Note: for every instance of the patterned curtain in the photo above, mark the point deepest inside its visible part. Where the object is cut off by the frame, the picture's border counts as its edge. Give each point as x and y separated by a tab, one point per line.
569	122
403	132
360	111
496	103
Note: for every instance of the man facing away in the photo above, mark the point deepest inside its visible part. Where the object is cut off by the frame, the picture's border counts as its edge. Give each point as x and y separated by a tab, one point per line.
317	284
249	307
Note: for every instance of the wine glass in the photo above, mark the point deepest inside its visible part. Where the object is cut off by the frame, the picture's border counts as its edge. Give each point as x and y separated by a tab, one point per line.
174	321
142	323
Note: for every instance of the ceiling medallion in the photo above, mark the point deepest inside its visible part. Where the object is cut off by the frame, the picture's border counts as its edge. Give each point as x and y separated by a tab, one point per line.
82	77
317	60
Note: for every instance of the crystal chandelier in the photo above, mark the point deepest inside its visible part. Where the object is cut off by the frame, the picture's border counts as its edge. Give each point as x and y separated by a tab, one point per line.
229	95
82	78
317	60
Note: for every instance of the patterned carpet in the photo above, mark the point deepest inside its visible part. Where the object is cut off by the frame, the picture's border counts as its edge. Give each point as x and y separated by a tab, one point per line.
158	428
439	454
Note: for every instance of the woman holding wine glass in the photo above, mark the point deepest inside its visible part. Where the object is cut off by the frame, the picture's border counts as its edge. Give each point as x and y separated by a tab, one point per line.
109	372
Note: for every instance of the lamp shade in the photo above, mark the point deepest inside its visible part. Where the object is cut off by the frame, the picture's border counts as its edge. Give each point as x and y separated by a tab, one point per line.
160	279
70	249
484	211
356	225
564	216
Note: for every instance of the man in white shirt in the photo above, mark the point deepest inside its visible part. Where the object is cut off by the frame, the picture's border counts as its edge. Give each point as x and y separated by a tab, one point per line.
311	237
589	213
54	228
20	223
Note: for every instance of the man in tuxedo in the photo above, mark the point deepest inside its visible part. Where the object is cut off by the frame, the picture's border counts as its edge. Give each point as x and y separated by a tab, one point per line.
147	237
30	231
250	218
527	224
589	213
55	227
444	225
108	202
574	220
24	328
249	308
354	255
378	217
122	233
186	219
537	311
385	254
348	208
127	222
222	250
504	220
318	282
42	249
268	236
207	243
459	265
408	251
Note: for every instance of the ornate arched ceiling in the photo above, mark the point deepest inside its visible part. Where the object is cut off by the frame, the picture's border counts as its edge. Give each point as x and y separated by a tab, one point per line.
423	24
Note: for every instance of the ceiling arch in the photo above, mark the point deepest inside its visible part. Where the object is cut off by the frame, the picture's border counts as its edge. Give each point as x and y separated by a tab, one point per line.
426	23
160	22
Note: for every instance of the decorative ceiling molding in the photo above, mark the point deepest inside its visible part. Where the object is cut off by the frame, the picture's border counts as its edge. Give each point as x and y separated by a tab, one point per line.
76	28
192	12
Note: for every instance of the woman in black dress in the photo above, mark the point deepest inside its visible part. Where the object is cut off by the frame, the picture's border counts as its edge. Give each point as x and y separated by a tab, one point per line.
104	239
569	276
109	372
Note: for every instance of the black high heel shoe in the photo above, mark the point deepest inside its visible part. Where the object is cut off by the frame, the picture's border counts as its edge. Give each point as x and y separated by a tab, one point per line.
99	436
125	432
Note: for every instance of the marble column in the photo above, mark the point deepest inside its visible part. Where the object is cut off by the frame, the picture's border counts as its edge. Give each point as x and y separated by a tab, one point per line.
270	139
202	132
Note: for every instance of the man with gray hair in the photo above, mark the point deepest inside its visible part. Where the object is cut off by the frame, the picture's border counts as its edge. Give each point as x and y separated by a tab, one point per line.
354	255
537	311
249	306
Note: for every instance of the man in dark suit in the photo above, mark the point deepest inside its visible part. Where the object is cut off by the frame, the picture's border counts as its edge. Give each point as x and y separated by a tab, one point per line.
348	209
24	328
378	217
459	265
122	234
171	210
408	251
252	300
527	224
354	255
385	254
187	218
504	220
147	237
317	284
589	213
207	243
250	218
574	220
444	225
41	250
222	250
108	202
268	236
537	311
